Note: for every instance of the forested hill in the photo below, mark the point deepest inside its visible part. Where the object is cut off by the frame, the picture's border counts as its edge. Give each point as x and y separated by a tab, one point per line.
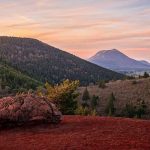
12	80
47	63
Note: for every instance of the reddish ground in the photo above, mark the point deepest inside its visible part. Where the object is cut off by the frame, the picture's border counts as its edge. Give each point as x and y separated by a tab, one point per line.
80	133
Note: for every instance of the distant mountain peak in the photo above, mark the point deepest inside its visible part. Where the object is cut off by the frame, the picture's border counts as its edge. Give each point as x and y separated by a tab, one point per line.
115	60
112	50
108	51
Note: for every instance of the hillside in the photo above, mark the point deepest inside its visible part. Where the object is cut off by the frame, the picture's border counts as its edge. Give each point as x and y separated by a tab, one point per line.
44	62
80	133
115	60
125	92
12	80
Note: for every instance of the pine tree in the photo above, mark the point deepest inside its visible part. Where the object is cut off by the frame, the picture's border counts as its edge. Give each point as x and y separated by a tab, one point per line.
85	98
140	108
94	101
110	108
146	75
129	110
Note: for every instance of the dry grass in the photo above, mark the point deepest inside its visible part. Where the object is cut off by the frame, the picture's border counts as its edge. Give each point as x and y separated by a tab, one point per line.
124	91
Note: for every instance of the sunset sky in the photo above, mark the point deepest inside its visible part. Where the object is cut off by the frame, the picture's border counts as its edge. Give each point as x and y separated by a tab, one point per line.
81	27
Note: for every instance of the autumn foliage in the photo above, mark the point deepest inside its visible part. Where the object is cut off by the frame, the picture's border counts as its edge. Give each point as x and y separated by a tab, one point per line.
63	95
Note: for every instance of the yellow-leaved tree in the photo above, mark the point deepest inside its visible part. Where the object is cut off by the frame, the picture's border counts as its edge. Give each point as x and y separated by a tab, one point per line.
63	95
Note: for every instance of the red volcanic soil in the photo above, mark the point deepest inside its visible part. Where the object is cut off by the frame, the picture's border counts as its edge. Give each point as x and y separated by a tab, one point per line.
80	133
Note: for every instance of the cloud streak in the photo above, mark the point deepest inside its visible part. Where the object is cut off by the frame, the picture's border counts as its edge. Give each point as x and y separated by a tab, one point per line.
80	27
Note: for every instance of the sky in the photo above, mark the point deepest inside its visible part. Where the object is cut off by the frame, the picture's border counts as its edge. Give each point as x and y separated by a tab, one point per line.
81	27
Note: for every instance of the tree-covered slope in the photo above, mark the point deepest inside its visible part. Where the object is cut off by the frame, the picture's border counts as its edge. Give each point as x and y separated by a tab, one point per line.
47	63
12	80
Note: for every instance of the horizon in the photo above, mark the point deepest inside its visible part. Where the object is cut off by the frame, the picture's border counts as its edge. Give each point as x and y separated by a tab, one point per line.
79	27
